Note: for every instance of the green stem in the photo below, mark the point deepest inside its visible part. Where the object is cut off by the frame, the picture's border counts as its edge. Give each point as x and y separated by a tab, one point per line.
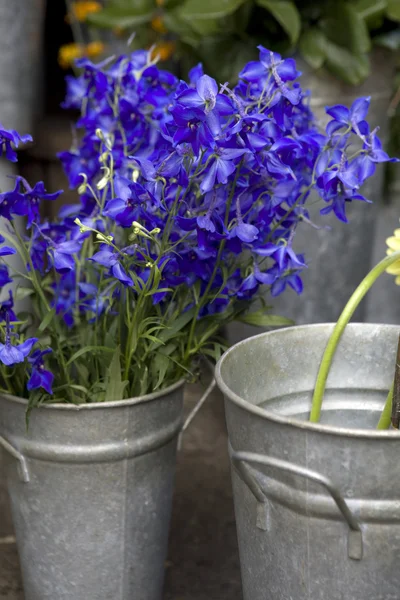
338	330
38	288
216	267
386	416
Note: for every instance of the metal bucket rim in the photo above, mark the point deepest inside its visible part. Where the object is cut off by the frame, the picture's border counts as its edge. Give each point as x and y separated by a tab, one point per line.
99	405
297	423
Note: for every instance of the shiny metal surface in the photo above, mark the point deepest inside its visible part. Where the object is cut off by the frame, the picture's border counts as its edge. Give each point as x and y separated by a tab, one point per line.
293	479
92	521
21	66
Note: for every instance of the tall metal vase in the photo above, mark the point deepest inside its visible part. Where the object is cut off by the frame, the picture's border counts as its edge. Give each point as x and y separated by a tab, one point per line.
339	255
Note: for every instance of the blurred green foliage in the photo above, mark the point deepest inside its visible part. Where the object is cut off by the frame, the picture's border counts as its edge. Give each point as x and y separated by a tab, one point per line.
224	34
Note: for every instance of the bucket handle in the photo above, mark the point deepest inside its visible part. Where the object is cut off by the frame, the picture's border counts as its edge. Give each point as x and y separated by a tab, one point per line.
239	459
23	467
195	410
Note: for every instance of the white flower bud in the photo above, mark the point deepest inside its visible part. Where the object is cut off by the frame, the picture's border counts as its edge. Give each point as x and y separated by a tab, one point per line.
83	186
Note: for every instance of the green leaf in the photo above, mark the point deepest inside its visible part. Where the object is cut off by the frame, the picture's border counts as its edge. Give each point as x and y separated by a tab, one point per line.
236	54
171	3
344	26
66	386
23	293
158	290
177	325
140	5
371	11
312	46
176	24
86	349
209	9
205	27
260	319
159	367
215	352
152	338
111	334
115	387
48	318
393	10
123	13
347	66
286	14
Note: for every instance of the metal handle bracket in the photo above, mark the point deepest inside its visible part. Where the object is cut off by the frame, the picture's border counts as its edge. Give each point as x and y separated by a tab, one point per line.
195	410
22	467
239	459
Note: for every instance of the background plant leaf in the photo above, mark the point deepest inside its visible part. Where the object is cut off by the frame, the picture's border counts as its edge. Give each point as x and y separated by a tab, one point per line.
286	14
371	11
209	9
393	10
312	46
123	13
261	319
344	27
349	67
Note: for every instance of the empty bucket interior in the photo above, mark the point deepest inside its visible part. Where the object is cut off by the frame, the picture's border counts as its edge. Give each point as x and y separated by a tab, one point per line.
277	371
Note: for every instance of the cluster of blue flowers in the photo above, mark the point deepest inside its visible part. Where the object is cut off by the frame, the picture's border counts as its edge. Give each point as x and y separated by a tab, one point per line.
189	192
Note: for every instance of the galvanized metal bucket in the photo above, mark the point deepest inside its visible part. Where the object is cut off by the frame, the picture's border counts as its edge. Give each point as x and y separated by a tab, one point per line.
91	490
317	505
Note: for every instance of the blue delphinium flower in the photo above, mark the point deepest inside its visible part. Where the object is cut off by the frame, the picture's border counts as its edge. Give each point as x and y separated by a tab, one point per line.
190	198
24	200
11	355
8	138
7	313
352	118
4	276
108	258
40	377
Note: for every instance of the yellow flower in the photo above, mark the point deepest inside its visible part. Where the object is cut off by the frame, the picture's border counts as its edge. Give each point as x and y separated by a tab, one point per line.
393	244
163	50
159	2
68	54
80	10
158	24
95	49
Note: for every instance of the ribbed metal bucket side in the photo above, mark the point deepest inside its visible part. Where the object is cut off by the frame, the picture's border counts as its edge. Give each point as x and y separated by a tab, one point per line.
317	505
92	509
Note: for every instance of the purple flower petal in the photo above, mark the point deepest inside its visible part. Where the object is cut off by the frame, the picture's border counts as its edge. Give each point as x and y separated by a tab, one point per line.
246	232
359	109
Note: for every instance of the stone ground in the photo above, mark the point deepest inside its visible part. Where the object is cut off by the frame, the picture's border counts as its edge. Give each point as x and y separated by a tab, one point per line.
203	562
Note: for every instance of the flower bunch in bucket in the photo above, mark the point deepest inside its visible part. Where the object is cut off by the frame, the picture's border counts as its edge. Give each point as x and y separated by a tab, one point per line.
190	196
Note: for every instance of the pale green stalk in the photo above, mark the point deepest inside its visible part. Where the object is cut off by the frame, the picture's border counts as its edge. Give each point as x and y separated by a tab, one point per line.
339	328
